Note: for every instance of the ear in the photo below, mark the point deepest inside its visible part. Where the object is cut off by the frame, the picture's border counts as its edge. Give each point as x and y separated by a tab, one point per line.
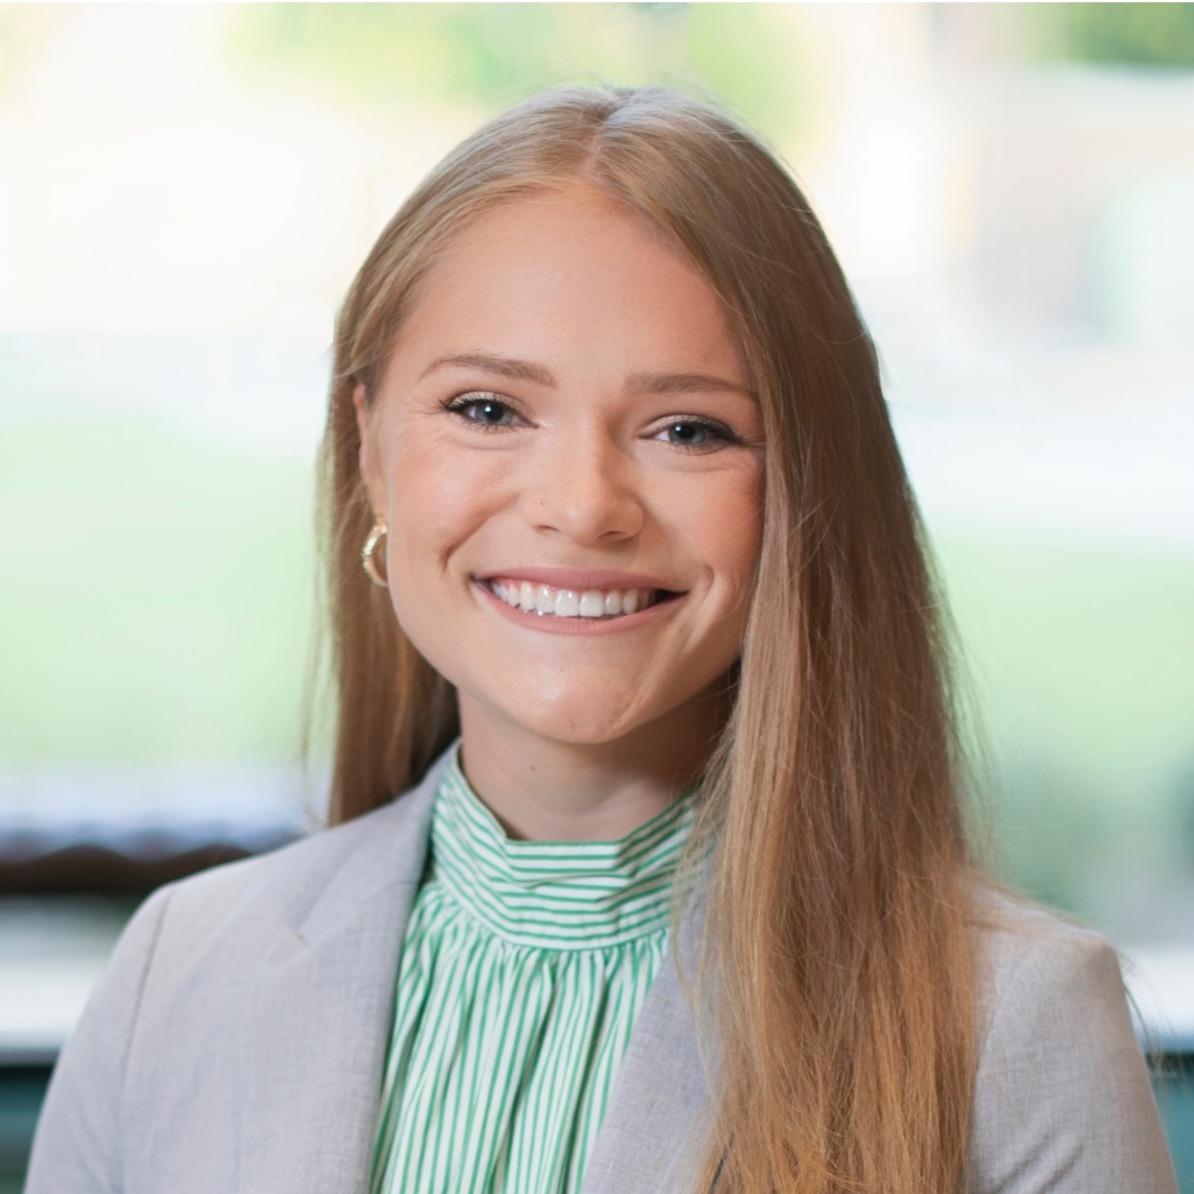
370	470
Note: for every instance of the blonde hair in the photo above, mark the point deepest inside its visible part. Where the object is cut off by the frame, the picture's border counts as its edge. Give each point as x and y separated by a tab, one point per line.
838	906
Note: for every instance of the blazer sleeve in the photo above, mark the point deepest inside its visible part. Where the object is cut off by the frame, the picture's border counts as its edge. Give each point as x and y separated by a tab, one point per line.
1063	1103
77	1145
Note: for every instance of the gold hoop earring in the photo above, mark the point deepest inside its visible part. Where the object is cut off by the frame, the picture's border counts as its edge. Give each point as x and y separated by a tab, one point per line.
380	530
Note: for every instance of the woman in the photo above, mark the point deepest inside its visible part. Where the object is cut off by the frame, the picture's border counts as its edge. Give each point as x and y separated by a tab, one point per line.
606	435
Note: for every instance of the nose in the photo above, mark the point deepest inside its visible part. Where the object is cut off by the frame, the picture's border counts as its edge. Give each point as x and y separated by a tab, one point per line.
586	489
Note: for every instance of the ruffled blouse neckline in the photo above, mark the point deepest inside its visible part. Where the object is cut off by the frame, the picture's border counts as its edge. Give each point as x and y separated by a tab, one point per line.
556	895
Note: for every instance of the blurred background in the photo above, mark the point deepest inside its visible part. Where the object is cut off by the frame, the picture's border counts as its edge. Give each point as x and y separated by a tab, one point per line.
185	194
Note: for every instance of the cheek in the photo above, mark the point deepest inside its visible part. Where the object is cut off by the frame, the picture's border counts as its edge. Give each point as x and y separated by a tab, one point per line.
435	501
727	523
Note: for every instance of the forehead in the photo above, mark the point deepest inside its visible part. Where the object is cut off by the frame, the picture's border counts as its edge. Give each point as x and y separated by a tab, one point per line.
566	269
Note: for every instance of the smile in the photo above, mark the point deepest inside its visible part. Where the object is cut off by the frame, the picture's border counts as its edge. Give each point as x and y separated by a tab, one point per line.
549	602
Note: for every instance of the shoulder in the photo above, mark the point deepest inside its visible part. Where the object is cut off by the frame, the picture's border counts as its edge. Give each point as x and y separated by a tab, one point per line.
194	939
1026	951
188	959
202	930
382	848
321	876
1063	1100
200	939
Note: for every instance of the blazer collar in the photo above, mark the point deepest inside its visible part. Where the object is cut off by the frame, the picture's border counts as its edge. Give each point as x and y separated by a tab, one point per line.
387	850
317	1022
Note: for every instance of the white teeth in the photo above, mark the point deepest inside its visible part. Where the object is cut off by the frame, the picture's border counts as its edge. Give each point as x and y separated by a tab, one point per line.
568	603
592	604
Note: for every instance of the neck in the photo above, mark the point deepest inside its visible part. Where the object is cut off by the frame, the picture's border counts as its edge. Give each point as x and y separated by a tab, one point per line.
544	789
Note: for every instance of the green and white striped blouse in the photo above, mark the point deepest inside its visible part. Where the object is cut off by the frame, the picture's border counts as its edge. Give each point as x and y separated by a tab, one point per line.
522	972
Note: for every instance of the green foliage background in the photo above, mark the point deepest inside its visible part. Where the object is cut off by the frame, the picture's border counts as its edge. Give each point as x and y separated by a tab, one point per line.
156	588
386	56
1132	35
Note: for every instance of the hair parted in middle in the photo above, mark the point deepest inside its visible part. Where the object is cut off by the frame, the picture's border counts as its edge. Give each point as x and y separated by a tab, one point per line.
838	926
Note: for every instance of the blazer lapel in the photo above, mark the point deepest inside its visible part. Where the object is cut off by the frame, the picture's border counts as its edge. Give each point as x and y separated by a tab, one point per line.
316	1025
317	1020
657	1122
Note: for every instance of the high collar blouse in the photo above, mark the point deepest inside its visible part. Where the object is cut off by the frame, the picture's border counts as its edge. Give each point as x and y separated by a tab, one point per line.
521	974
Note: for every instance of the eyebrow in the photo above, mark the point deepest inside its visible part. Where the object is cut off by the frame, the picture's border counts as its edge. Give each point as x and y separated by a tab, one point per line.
485	362
687	383
653	383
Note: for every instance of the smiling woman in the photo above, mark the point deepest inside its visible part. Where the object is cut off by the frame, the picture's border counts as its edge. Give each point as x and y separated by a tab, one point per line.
642	568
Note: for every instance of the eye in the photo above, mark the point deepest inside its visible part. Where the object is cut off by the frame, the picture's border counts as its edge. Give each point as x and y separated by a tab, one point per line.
483	410
695	435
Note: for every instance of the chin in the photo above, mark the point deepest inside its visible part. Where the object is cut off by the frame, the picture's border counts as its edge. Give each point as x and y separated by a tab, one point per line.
592	727
574	720
584	730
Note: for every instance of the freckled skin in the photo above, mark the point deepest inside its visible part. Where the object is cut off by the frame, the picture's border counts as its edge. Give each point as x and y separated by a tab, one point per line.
586	464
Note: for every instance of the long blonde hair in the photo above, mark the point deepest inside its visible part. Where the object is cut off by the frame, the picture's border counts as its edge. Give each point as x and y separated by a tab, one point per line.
838	907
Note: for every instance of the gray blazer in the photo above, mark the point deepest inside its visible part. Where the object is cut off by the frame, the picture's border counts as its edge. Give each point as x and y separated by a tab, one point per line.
236	1043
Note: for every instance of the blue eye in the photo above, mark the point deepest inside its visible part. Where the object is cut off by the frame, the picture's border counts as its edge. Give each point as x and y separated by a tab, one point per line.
695	434
483	409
